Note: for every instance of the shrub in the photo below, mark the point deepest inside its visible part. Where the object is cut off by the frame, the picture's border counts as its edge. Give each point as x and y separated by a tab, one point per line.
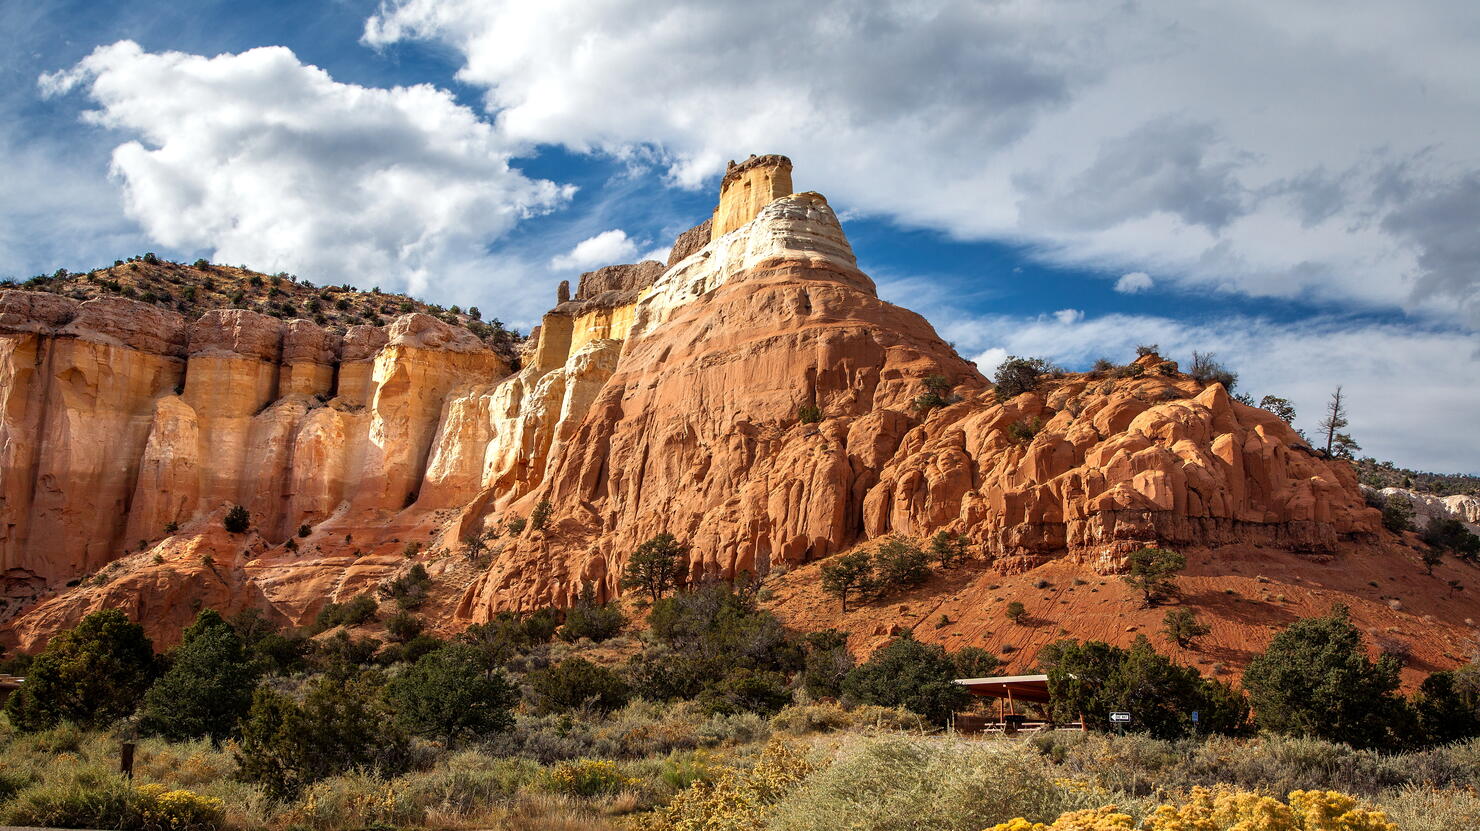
899	784
304	530
1016	375
515	525
1150	571
541	514
576	683
403	626
1181	626
358	610
208	687
410	589
809	414
589	619
287	745
588	778
237	520
1144	349
657	566
1016	611
1024	431
449	694
906	673
848	573
1206	370
746	690
1315	679
739	799
1446	712
91	675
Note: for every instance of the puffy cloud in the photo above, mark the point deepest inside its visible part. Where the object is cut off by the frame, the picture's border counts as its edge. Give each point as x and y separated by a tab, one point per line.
1222	146
606	248
1411	390
260	159
1134	282
1068	316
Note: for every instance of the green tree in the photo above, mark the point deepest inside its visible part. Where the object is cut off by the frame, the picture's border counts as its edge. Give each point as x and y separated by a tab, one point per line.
1182	626
900	564
906	673
1279	406
1446	710
1337	443
1093	679
449	694
590	619
92	675
208	687
975	662
1397	514
1315	679
1016	375
657	566
746	690
237	520
1449	534
577	683
1016	611
947	550
847	574
287	745
1150	571
827	663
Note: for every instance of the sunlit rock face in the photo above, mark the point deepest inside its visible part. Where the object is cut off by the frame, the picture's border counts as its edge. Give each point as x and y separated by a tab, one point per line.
751	395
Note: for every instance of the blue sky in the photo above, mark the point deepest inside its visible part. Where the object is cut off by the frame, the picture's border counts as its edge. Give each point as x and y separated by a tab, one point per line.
1298	197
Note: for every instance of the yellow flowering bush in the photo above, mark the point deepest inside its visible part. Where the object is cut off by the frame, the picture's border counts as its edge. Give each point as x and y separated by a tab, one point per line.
352	799
1228	810
161	809
1107	818
588	778
738	800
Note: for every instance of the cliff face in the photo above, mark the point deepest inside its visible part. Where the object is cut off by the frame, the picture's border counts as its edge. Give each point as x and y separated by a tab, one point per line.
121	423
753	396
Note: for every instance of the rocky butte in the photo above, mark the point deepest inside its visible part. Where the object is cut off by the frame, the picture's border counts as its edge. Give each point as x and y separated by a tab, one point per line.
752	395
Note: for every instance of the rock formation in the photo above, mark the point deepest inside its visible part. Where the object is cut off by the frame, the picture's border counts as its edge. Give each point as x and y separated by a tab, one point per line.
753	396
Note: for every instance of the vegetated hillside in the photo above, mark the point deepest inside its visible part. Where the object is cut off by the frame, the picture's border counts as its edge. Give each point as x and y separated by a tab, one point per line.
193	290
1375	474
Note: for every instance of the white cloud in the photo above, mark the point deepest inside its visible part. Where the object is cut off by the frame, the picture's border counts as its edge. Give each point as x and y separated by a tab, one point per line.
1068	317
1230	146
1412	391
1134	282
606	248
259	159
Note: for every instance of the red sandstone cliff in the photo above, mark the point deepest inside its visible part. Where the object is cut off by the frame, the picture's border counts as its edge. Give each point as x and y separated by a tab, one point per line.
660	398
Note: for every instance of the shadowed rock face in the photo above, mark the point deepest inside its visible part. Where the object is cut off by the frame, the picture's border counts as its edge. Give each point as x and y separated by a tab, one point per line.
657	399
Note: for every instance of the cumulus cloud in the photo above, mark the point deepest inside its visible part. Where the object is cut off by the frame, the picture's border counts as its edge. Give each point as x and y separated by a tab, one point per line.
260	159
1134	282
606	248
1068	317
1412	390
1217	145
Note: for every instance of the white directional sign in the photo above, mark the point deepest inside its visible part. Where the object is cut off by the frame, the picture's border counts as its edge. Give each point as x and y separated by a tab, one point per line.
1120	718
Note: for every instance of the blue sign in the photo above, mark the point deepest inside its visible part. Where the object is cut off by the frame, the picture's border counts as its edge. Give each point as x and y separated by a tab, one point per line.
1194	716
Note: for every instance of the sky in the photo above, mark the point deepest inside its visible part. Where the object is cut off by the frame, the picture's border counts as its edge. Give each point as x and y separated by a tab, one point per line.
1293	185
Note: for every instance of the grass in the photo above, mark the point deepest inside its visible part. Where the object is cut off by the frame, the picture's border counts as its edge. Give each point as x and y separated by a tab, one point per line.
652	767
